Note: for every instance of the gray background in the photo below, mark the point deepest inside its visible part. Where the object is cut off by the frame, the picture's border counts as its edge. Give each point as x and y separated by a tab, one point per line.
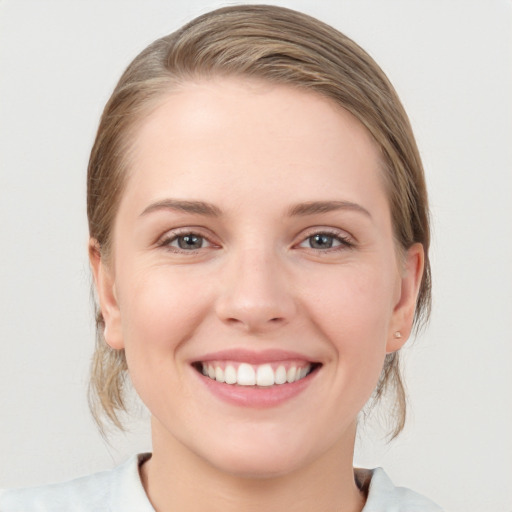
451	64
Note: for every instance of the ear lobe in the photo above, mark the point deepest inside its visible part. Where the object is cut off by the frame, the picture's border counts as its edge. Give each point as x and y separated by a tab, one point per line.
105	289
403	312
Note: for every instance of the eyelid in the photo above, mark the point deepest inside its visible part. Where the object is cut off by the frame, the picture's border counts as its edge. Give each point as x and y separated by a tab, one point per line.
172	234
347	241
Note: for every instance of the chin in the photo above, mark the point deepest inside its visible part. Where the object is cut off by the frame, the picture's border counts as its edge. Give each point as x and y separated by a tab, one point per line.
258	457
262	466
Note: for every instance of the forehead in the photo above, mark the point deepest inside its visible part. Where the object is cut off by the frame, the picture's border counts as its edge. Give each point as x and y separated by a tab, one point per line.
244	135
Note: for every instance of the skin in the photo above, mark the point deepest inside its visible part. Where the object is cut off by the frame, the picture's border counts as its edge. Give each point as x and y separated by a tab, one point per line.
254	151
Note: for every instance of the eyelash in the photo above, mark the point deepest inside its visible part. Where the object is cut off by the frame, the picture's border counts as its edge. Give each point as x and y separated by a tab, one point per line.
176	235
344	241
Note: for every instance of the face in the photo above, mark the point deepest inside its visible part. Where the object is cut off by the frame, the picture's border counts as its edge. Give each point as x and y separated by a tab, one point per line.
254	282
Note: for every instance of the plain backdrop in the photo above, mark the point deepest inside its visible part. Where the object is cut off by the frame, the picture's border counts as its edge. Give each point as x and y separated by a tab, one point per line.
451	64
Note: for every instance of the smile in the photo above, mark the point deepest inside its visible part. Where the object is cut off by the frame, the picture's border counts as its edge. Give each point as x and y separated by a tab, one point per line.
261	375
256	379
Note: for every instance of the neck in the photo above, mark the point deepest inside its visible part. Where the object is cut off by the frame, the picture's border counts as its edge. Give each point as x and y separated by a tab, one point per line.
175	479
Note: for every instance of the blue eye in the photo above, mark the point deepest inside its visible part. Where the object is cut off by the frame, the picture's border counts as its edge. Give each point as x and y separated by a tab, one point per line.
324	241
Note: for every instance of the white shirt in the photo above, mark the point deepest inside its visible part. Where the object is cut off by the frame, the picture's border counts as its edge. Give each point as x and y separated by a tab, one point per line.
121	490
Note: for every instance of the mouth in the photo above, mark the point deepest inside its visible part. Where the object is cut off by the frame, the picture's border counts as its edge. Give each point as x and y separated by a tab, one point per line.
256	379
265	375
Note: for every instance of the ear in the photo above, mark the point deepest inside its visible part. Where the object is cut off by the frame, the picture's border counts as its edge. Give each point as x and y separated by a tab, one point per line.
105	288
403	312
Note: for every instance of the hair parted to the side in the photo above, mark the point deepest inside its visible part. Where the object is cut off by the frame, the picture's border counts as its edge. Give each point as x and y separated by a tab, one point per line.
277	45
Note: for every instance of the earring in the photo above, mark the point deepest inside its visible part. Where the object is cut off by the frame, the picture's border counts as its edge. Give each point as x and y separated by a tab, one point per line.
105	333
397	335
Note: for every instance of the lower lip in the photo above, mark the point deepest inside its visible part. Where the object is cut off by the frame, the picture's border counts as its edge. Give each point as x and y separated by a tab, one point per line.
254	396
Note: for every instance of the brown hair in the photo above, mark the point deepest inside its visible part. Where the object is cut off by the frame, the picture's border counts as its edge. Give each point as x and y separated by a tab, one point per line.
278	45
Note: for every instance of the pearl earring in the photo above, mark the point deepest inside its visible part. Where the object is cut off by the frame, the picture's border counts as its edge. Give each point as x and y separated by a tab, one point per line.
397	335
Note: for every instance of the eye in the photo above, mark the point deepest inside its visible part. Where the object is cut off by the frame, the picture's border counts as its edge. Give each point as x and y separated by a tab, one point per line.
325	241
186	242
189	241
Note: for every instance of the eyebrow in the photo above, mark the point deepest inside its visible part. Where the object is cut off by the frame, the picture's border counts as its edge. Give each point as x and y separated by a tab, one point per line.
210	210
314	207
197	207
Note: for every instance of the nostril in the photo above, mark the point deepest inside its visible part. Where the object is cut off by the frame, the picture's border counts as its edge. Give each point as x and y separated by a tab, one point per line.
234	320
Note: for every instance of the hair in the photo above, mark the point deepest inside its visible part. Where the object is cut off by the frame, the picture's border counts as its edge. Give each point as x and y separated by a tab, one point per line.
281	46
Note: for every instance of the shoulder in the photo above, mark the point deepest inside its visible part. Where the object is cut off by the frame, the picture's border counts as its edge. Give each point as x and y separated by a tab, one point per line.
107	491
383	496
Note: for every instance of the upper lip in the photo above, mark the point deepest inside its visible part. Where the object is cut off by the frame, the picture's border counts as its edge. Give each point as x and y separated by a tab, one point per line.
254	357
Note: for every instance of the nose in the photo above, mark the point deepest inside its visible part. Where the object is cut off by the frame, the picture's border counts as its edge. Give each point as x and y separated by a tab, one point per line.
255	293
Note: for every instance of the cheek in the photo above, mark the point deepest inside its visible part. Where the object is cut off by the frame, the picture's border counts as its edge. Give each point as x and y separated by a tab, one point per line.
355	305
158	310
353	313
159	313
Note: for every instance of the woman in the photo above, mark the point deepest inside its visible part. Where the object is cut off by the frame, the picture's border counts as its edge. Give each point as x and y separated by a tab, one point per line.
259	245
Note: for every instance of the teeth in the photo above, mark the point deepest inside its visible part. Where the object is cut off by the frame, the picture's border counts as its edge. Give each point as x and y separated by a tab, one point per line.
265	375
219	374
230	375
246	376
280	377
259	375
